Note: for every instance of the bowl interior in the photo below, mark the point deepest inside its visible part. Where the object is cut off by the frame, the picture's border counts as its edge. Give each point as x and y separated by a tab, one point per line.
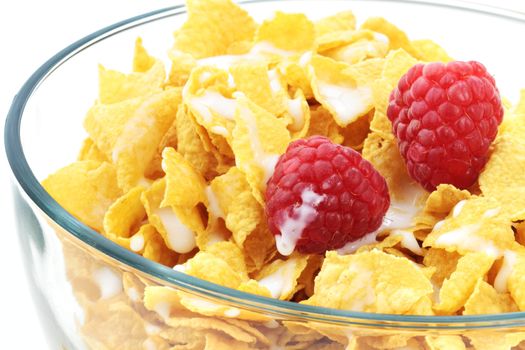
50	108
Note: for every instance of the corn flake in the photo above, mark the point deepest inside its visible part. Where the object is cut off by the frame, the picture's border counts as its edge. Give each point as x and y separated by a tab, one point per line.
503	177
439	204
397	39
90	151
459	286
486	300
137	144
475	224
115	86
259	138
445	342
341	21
286	32
193	147
206	32
124	217
280	277
142	60
341	88
371	282
86	189
184	186
429	51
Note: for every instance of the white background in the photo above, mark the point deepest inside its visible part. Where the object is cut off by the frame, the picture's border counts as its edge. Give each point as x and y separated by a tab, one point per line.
30	33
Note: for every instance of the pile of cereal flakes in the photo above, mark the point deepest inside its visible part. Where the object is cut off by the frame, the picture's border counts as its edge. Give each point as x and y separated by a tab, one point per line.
175	168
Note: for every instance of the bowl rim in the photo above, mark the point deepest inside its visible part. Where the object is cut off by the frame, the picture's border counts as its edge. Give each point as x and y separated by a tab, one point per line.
30	186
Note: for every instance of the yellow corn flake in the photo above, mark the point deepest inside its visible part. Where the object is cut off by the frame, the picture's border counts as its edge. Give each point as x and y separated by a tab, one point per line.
254	287
124	217
165	302
298	113
280	277
111	324
177	225
516	279
344	20
355	133
287	32
215	265
259	138
495	340
207	32
322	123
137	144
262	86
397	39
371	282
184	186
217	341
237	205
429	51
155	247
216	231
358	51
306	279
340	89
397	63
201	324
86	189
193	147
182	65
504	175
259	247
115	86
230	314
142	61
133	287
335	40
154	169
296	77
457	289
208	96
476	224
445	342
104	123
486	300
183	338
386	341
443	262
90	151
439	204
380	147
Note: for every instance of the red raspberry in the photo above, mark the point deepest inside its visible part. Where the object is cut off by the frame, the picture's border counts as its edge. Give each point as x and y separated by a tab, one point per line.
322	196
445	116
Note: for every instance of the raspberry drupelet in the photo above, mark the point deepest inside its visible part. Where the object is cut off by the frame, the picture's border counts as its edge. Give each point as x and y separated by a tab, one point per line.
445	117
322	196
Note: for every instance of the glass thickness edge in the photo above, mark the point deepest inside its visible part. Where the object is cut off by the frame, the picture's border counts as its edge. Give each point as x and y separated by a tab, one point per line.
32	188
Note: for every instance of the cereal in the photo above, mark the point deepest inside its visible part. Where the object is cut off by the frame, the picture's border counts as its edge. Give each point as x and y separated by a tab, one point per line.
459	286
175	167
259	138
206	33
86	189
287	33
124	217
486	300
353	282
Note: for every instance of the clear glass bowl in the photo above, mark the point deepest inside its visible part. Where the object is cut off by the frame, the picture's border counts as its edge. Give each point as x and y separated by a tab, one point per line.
89	289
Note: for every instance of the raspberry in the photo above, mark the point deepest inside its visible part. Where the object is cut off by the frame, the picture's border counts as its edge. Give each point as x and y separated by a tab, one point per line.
445	116
322	196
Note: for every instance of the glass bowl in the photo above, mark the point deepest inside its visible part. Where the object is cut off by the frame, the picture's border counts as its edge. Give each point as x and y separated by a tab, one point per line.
90	290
